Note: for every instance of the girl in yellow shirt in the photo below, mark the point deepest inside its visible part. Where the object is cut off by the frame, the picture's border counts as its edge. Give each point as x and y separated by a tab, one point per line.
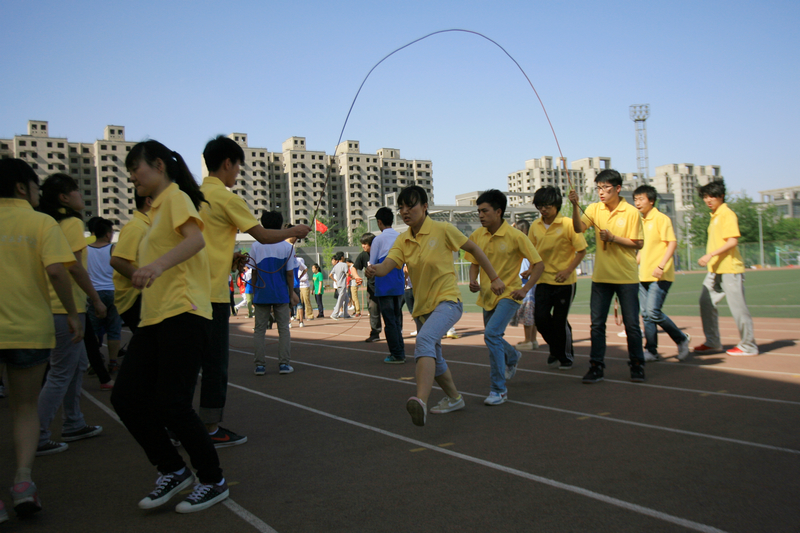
156	382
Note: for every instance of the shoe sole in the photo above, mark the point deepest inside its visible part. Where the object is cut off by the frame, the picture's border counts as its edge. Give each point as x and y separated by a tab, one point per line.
742	354
258	373
417	412
566	367
449	409
590	381
84	436
637	380
553	364
376	339
228	444
52	451
285	371
511	373
189	508
145	503
709	350
395	362
496	402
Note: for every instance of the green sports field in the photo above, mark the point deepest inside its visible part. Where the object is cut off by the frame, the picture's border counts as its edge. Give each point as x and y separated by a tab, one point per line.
770	293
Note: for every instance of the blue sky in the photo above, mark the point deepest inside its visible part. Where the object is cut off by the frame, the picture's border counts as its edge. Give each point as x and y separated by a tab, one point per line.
721	78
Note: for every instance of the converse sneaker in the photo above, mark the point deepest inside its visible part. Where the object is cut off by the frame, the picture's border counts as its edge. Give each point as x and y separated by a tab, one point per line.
203	497
285	369
418	411
26	499
260	370
496	398
50	447
448	405
167	486
84	433
225	438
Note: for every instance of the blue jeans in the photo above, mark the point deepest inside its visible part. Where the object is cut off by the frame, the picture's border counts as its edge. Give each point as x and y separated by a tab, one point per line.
600	302
392	313
501	353
651	298
432	327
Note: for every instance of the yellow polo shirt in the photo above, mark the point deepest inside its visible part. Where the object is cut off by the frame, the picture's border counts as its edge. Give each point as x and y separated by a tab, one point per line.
557	245
223	215
506	249
184	288
430	263
130	236
724	225
658	233
29	243
73	230
615	263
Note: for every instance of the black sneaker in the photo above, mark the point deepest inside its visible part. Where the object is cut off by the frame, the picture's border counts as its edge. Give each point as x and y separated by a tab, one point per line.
50	447
566	365
224	438
84	433
203	497
373	338
167	486
637	372
594	374
552	361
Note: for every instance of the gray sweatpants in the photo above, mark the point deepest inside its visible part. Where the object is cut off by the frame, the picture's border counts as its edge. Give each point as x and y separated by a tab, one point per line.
282	317
715	288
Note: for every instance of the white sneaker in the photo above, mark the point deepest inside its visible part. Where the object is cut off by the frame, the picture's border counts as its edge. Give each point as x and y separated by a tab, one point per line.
651	357
496	398
683	348
622	334
511	370
451	334
302	325
448	405
414	333
418	411
290	325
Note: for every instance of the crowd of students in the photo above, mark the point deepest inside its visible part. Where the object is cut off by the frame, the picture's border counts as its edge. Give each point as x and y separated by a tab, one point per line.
168	279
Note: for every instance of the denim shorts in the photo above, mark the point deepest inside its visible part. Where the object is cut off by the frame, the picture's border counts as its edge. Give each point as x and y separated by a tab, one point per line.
24	357
111	325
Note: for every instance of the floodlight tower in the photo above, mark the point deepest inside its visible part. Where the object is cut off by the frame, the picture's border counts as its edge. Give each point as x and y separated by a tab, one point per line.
639	114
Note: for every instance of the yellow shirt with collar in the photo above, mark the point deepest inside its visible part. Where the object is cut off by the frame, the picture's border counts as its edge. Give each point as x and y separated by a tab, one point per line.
658	233
506	249
615	263
184	288
557	245
73	230
29	243
130	236
724	225
223	215
430	263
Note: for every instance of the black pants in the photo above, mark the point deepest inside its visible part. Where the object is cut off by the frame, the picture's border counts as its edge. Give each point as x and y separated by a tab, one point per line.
153	391
550	314
93	353
133	314
393	322
320	310
374	316
214	384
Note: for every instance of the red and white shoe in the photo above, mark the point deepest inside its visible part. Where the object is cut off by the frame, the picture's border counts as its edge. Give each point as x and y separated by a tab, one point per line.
738	352
707	349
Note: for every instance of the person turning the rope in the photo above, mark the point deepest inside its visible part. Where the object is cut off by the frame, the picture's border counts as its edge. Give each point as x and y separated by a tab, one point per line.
427	248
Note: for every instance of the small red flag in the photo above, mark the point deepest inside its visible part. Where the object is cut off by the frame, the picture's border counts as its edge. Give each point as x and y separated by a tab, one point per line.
322	228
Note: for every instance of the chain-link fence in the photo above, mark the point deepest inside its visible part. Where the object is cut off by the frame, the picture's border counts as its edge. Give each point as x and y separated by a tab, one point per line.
776	254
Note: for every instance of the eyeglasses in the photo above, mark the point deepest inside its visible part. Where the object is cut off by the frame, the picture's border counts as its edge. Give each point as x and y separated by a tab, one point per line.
605	188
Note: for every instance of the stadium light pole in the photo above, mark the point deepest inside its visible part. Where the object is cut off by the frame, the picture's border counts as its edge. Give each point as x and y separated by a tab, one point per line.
760	238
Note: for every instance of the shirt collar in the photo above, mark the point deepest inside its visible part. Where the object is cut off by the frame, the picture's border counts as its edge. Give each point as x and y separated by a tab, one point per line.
213	180
168	191
651	214
16	202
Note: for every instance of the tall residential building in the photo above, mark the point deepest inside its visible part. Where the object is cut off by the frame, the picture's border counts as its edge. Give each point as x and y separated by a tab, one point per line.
98	167
787	200
540	173
682	180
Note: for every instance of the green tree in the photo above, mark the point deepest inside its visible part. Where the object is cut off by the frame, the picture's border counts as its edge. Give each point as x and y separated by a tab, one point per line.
357	232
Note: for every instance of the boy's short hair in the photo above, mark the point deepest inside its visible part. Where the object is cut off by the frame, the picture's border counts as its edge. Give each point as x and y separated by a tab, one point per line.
219	149
494	198
547	196
13	171
102	227
647	190
385	215
348	259
272	219
714	189
367	238
412	195
610	176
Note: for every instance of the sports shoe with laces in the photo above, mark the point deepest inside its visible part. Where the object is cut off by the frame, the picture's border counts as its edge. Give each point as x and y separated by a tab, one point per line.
511	370
637	372
204	496
567	365
285	369
84	433
683	348
26	499
167	486
552	361
418	411
372	338
651	357
225	438
594	374
448	405
393	360
260	370
496	398
738	352
50	447
704	348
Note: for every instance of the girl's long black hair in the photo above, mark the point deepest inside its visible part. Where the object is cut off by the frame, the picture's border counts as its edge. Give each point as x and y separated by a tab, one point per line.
51	188
174	165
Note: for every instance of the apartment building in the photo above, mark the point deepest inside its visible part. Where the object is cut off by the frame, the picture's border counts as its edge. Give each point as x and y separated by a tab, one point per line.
98	167
682	180
540	173
787	200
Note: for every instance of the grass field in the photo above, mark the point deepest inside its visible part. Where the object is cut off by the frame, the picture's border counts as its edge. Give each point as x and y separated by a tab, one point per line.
770	293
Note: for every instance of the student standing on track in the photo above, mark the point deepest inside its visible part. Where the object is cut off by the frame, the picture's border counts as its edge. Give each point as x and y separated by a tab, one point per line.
339	276
61	199
319	289
361	263
427	248
619	235
155	384
725	276
562	249
224	214
389	289
656	274
505	247
33	249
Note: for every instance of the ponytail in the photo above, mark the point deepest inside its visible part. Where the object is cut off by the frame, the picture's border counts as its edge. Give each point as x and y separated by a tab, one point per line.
174	166
51	188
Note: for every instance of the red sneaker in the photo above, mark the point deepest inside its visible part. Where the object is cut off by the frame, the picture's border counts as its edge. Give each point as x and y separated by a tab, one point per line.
738	352
707	349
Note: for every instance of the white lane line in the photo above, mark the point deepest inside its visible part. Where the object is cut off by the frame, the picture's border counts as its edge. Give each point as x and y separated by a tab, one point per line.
237	509
646	511
566	375
560	410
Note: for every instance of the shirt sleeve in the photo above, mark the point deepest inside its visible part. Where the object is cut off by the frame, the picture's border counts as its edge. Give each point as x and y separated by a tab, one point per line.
578	240
128	244
55	247
181	210
666	232
73	230
468	256
527	248
589	215
396	254
730	227
454	238
239	215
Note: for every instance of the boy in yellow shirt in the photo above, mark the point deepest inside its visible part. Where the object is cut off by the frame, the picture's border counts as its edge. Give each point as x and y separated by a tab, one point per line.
619	234
656	274
725	276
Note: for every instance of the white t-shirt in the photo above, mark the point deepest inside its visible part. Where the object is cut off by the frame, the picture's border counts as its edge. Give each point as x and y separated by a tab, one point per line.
302	273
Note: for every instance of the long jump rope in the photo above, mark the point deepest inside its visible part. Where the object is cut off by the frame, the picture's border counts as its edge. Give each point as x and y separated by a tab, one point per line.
245	259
